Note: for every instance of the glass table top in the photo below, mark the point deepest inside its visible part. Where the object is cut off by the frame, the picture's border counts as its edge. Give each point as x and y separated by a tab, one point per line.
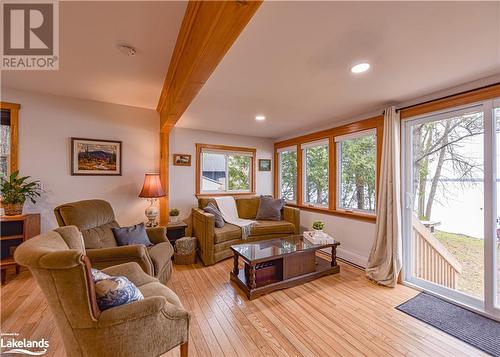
277	247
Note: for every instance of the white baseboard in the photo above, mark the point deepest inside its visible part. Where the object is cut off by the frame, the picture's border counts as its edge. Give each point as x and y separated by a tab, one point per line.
349	256
352	257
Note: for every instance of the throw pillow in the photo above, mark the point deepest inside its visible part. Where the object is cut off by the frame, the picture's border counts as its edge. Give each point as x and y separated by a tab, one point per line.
270	208
132	235
114	291
213	209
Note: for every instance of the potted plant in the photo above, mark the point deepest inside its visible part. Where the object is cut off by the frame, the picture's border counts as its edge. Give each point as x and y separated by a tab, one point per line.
15	190
174	215
318	228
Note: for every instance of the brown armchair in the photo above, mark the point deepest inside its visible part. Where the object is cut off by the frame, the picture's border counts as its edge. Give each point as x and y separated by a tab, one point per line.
95	218
148	327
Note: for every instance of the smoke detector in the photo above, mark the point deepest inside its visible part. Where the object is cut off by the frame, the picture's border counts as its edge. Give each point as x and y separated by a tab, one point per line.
127	50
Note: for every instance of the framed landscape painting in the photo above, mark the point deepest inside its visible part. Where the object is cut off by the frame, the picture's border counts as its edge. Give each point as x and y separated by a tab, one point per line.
94	157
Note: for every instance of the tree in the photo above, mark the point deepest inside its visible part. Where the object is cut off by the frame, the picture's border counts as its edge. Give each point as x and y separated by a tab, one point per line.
358	157
317	175
288	175
438	155
239	172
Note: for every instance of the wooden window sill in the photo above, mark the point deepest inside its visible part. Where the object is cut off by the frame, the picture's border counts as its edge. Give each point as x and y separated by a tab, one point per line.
352	215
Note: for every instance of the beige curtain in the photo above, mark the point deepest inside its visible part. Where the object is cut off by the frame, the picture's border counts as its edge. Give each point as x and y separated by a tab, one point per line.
384	263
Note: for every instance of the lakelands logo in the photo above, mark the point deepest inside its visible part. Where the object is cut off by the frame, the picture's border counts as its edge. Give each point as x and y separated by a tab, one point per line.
30	38
11	343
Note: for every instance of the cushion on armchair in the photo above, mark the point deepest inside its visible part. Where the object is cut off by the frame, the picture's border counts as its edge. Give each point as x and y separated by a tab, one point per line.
132	235
94	218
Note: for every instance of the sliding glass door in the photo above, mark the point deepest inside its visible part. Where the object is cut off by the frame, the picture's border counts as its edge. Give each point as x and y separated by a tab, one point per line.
450	217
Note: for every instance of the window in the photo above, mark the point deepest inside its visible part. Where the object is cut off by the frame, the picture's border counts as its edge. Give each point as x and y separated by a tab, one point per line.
450	170
315	163
225	169
333	171
288	173
213	172
8	137
5	143
356	171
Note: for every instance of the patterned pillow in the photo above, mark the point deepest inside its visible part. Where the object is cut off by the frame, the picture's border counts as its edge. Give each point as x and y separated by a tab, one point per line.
114	291
211	208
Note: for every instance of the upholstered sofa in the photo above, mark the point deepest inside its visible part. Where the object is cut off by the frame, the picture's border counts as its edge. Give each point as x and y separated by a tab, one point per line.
214	243
95	218
148	327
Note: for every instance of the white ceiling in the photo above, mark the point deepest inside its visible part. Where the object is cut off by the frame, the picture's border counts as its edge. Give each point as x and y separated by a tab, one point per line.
92	67
292	61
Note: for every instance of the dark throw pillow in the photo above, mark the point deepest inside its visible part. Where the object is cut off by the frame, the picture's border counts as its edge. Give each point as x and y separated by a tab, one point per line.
270	208
132	235
114	291
212	209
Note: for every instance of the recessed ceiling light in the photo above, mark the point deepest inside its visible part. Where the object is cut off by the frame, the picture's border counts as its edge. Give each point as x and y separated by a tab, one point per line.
260	117
360	68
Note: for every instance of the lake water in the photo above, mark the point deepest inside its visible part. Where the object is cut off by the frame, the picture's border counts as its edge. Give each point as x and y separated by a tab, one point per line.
460	208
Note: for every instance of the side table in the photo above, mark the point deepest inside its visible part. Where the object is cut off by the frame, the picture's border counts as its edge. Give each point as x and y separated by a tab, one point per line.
176	231
13	231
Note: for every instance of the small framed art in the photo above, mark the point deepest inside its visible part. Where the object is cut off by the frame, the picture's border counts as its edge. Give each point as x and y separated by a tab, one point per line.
264	164
182	159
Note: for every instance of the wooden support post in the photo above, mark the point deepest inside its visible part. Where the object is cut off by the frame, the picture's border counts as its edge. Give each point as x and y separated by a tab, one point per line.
164	152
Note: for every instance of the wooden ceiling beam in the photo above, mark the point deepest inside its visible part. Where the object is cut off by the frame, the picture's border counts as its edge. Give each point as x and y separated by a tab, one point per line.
207	32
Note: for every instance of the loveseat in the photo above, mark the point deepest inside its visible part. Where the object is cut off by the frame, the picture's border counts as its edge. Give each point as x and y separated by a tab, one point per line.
214	243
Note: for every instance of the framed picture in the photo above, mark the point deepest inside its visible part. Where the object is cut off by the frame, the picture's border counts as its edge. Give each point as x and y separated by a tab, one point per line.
182	159
94	157
264	164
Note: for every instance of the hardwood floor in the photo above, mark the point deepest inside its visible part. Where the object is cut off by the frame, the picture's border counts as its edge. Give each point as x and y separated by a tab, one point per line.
337	315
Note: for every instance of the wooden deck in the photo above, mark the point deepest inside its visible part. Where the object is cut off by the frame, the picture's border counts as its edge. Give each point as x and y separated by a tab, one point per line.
337	315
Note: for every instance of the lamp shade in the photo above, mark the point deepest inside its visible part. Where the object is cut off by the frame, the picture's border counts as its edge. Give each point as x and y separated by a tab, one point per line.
152	187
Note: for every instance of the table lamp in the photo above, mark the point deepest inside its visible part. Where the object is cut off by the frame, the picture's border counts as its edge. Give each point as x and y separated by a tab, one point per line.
151	190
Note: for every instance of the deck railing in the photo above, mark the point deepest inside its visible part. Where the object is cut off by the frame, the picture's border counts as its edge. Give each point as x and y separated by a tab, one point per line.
432	261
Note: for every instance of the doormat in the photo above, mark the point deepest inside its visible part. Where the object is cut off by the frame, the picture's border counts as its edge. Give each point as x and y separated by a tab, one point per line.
474	329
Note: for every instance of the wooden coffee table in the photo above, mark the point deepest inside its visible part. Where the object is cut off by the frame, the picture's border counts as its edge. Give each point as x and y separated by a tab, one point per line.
280	263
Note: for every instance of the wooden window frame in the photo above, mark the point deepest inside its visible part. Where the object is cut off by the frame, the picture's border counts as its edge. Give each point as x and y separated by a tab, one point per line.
376	123
229	149
455	100
13	108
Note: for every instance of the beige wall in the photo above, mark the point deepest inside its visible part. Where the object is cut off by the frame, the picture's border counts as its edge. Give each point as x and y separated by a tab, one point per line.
183	179
46	125
356	237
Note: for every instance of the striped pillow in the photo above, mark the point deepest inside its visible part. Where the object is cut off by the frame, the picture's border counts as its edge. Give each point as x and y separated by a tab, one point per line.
212	209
